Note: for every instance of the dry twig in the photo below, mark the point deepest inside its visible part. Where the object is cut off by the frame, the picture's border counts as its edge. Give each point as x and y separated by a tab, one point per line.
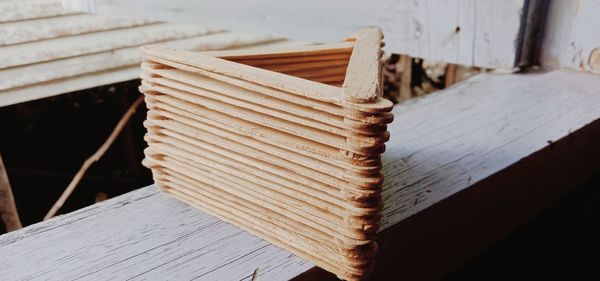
95	157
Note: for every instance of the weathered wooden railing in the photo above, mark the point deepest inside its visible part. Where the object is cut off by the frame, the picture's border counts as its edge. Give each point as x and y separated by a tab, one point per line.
463	167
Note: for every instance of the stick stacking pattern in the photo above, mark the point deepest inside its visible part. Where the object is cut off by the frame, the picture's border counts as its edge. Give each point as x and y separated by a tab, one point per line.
284	143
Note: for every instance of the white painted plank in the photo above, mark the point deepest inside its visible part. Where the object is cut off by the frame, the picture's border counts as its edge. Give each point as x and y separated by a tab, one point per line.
571	38
16	10
47	50
488	33
47	28
69	67
142	244
476	129
62	86
472	131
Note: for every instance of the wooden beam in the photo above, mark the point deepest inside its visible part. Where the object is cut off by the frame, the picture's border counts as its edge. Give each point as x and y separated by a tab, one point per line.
16	55
54	27
405	68
31	74
442	146
450	75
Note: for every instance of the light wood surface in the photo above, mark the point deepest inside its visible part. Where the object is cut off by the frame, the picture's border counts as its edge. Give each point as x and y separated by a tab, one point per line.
288	192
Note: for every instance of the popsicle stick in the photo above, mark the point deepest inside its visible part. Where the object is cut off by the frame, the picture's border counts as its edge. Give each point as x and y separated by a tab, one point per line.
279	109
335	231
337	141
342	271
342	47
190	62
263	63
274	93
199	151
265	134
363	79
261	139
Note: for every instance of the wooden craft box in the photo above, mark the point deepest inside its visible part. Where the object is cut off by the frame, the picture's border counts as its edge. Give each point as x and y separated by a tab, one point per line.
283	143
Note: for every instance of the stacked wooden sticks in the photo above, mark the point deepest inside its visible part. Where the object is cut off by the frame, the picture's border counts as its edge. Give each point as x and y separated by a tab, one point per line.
270	142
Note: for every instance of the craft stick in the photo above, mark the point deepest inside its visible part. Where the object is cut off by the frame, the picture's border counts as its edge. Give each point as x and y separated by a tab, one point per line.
342	47
367	191
353	256
289	68
158	116
331	215
190	62
195	129
340	142
275	80
350	274
334	229
280	109
265	134
274	93
262	63
285	144
362	83
267	169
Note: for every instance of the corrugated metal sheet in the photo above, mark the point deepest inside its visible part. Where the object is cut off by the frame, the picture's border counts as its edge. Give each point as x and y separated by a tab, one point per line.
46	50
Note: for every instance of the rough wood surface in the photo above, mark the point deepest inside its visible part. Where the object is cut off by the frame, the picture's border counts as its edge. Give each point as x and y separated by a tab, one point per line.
442	144
363	82
54	27
15	55
471	32
31	74
84	50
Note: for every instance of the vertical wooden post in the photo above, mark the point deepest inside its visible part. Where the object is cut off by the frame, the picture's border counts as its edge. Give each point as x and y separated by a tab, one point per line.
8	208
451	71
405	66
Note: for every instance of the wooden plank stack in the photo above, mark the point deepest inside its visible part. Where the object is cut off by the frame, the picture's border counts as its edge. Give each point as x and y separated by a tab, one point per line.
283	143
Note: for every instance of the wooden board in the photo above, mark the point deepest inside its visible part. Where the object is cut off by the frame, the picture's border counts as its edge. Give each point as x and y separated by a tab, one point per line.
31	74
430	160
474	32
55	27
46	50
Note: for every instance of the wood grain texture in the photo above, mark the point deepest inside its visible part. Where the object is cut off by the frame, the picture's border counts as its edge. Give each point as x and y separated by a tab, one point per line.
474	130
47	28
363	78
46	50
16	55
332	212
471	32
157	246
62	86
31	74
